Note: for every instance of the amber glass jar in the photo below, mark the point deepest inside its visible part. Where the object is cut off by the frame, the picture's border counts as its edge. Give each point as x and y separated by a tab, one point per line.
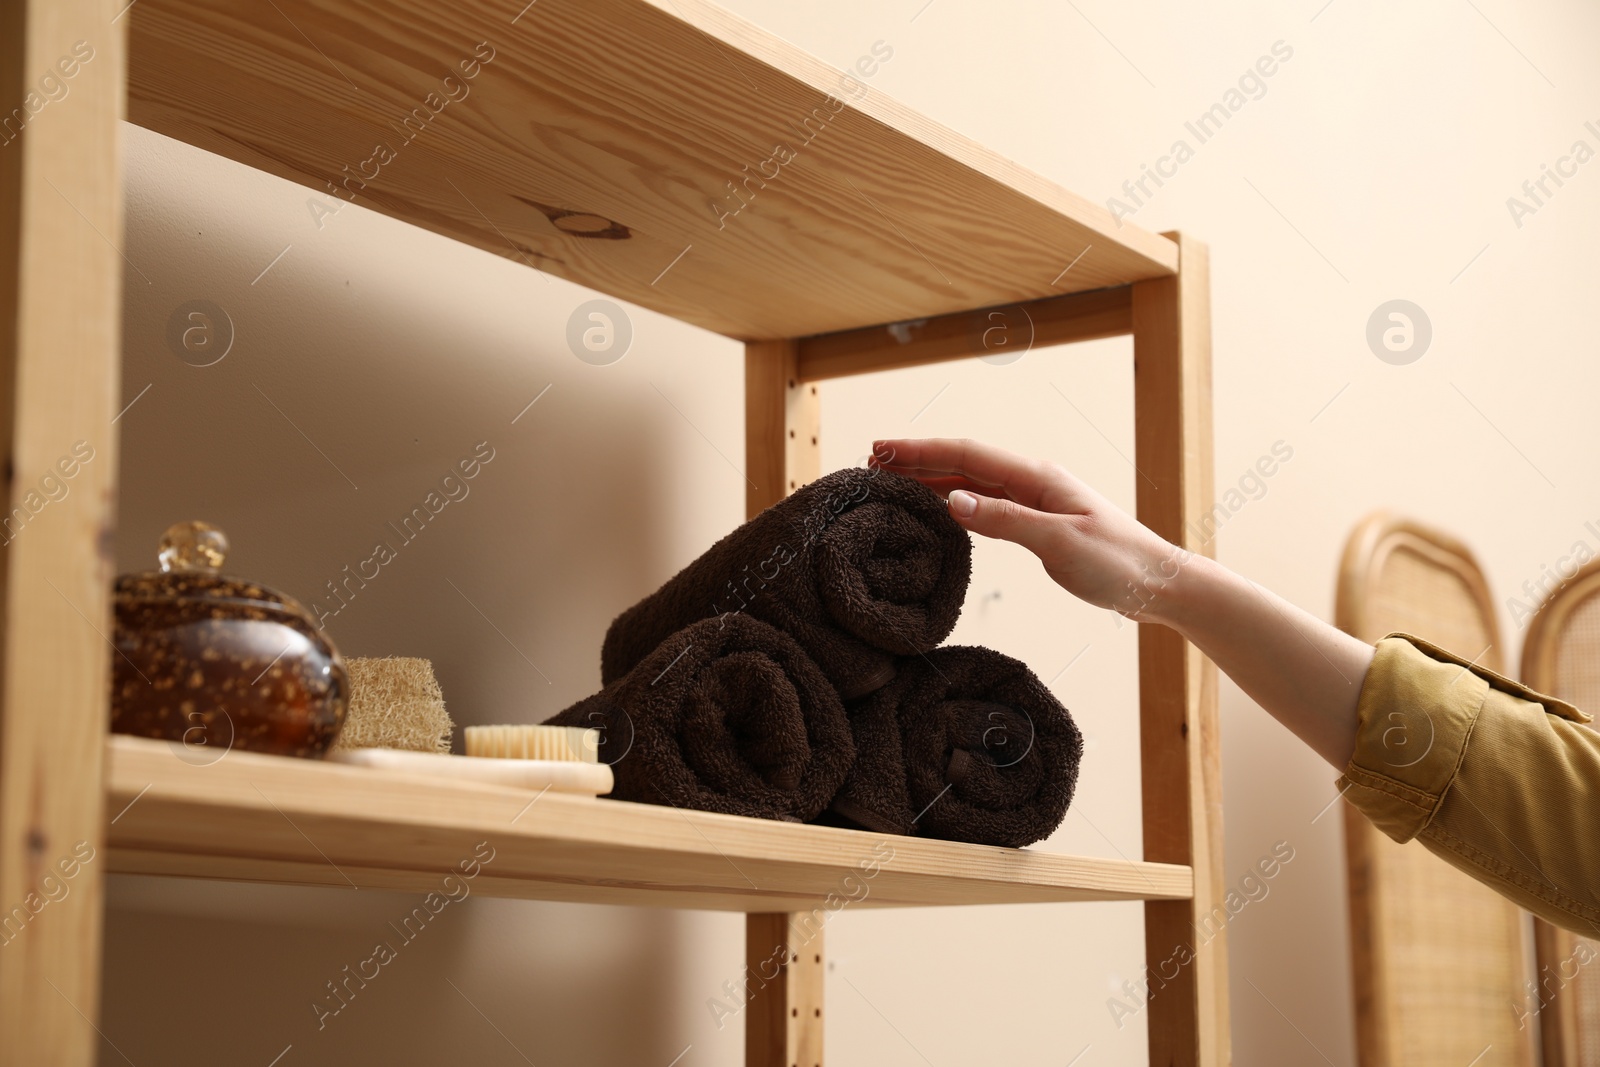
216	663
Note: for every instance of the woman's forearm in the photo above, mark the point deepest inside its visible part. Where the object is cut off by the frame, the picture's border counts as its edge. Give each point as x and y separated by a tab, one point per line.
1305	673
1495	780
1498	773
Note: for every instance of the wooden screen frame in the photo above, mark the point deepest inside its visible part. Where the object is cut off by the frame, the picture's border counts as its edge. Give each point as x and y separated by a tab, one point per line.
1558	1027
1180	748
1539	647
1370	544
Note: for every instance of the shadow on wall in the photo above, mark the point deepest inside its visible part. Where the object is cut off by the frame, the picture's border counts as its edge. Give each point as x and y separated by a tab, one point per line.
363	459
477	983
335	402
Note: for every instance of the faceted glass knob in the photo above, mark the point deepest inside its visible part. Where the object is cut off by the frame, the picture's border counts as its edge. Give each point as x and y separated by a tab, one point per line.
193	546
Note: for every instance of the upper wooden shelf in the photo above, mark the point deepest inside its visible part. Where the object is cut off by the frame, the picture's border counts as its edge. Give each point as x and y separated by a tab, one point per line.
596	139
258	818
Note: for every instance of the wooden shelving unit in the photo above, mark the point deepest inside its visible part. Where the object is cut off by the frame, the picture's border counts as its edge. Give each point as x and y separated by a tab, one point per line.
627	145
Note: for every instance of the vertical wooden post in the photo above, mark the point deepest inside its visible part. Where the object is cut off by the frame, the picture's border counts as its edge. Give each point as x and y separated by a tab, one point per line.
783	965
60	327
782	425
1185	944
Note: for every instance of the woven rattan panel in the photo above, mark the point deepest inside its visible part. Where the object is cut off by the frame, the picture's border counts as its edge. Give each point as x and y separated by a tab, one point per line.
1577	679
1446	956
1578	656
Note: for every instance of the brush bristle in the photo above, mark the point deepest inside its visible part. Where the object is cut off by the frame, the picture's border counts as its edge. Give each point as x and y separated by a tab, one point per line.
572	744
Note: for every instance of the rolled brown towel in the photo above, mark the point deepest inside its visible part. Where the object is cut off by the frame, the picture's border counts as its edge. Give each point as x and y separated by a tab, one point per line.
726	715
856	566
965	744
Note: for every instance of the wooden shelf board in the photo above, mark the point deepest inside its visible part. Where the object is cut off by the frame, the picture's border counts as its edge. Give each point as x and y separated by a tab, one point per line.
1055	320
632	116
250	817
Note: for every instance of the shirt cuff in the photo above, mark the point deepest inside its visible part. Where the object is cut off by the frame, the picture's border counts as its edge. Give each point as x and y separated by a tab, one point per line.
1415	717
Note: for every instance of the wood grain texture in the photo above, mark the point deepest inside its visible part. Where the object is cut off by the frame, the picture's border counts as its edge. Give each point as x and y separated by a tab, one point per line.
1178	725
629	145
60	322
1438	960
998	331
268	818
782	425
782	449
1561	656
783	1020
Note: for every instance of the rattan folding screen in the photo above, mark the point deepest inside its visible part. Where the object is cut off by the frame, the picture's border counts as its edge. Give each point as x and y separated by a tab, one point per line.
1438	960
1561	656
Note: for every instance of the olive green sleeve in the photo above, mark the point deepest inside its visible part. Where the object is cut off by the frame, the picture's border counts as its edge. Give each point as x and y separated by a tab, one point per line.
1496	779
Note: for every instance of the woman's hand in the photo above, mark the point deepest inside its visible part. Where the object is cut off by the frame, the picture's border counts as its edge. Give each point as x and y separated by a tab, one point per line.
1089	546
1303	671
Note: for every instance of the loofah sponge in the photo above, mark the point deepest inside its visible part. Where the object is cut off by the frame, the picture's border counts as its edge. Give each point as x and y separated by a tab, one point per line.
395	702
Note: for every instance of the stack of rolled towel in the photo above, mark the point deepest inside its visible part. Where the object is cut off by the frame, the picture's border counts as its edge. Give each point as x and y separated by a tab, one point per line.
793	672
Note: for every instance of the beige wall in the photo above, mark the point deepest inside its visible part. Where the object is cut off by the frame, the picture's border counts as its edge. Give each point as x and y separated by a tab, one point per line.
1376	166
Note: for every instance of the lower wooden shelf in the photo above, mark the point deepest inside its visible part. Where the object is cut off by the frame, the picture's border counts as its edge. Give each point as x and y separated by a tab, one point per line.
255	818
